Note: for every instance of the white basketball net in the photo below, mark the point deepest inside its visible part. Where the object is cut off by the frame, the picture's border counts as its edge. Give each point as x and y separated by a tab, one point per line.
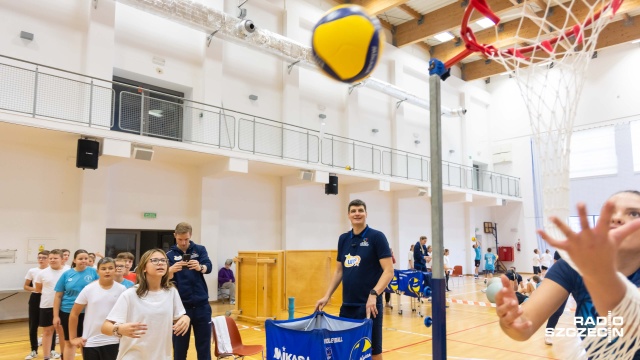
550	74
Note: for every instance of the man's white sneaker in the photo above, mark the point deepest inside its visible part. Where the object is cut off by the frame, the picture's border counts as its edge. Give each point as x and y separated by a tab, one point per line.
33	355
548	340
55	355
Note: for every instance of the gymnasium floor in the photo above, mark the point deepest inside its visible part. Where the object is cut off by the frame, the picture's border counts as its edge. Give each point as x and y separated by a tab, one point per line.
472	331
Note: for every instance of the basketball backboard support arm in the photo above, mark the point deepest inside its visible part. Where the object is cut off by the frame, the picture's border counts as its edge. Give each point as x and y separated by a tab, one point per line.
492	228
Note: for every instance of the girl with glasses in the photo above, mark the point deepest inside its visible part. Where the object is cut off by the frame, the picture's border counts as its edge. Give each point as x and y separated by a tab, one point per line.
146	315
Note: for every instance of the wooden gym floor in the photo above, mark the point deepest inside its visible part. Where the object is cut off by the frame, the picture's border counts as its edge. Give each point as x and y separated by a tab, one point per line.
472	330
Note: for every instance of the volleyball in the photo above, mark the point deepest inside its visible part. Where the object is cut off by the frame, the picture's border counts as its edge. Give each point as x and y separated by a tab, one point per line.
347	43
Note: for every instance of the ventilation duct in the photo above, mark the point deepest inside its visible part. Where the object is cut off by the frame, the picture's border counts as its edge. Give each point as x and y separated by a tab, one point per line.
197	16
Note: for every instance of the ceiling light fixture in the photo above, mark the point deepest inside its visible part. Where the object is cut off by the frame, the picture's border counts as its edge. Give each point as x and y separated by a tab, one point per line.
485	23
444	36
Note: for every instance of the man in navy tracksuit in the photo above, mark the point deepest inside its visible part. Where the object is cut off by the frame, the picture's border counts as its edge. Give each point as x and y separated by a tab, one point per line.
189	279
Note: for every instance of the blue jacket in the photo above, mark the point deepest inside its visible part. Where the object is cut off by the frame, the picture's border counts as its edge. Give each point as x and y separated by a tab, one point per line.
190	283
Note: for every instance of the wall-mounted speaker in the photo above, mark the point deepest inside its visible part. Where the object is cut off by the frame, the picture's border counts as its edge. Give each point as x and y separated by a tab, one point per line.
87	155
332	187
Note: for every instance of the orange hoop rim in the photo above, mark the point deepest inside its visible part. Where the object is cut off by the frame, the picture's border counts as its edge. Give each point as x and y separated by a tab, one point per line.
472	46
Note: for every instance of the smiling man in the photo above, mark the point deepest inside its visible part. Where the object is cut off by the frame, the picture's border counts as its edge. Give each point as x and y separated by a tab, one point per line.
189	262
365	268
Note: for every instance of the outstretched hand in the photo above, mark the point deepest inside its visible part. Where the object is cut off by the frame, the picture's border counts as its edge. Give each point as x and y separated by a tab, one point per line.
600	242
508	310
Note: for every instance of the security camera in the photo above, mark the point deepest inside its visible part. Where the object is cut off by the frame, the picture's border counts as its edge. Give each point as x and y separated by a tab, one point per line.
247	27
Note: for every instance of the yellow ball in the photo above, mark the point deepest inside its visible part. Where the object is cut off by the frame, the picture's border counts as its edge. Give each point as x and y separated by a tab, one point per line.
347	43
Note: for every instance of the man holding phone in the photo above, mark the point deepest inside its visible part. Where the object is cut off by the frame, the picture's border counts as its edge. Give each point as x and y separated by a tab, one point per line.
188	264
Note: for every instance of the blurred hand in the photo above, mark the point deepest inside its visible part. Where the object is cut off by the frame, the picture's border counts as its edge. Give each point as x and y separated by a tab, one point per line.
320	304
181	326
132	330
508	310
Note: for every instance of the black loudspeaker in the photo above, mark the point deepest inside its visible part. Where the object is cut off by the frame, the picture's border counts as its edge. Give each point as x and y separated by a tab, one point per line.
332	187
87	156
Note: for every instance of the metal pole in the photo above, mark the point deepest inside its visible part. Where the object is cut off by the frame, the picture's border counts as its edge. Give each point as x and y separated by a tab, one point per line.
90	102
438	279
142	113
35	93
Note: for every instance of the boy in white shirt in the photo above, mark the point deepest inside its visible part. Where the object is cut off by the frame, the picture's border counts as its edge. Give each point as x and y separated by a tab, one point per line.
98	298
34	302
536	262
46	281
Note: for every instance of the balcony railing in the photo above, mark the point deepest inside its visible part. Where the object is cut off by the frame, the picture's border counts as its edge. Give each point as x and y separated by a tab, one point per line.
46	92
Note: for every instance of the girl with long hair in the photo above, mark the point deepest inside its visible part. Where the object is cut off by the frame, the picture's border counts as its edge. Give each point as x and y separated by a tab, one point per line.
145	315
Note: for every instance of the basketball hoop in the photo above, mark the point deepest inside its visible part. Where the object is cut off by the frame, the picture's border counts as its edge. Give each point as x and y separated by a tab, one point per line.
549	67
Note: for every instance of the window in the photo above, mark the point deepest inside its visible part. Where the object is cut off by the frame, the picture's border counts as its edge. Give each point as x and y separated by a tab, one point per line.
147	110
593	152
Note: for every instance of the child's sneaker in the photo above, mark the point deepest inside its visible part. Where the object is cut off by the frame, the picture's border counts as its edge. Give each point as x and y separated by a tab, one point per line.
54	355
32	355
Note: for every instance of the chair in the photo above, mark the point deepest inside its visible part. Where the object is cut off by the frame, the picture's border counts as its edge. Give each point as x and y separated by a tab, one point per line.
239	349
457	273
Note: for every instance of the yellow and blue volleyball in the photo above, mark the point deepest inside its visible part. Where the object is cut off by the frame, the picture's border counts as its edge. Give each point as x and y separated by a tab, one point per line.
347	43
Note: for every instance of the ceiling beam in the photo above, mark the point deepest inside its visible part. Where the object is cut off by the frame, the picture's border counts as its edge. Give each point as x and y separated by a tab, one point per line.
385	24
444	19
375	7
615	33
514	32
406	8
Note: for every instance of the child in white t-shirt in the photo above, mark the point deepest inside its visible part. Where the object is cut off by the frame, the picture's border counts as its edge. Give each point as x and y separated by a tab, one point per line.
98	298
144	315
536	262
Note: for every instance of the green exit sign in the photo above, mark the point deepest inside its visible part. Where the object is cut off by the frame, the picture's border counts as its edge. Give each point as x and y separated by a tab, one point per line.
150	215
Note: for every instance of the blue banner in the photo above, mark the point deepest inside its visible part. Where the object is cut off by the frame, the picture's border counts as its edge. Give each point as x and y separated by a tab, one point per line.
319	337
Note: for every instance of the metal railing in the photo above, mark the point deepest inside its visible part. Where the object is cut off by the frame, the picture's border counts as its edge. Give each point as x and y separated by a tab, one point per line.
91	101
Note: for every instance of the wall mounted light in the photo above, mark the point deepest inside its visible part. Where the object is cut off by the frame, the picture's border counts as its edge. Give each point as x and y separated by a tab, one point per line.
253	97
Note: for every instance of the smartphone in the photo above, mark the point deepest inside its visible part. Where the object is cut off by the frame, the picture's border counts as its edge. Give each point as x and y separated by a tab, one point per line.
186	258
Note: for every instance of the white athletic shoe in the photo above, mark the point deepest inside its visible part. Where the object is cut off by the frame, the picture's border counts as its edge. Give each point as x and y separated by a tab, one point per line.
33	355
483	290
55	355
548	340
39	341
233	302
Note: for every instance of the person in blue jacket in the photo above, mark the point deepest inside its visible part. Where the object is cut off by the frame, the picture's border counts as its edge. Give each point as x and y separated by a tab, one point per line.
188	276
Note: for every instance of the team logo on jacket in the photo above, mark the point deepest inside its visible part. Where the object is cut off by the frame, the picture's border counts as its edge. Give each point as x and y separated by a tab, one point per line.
361	350
351	261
